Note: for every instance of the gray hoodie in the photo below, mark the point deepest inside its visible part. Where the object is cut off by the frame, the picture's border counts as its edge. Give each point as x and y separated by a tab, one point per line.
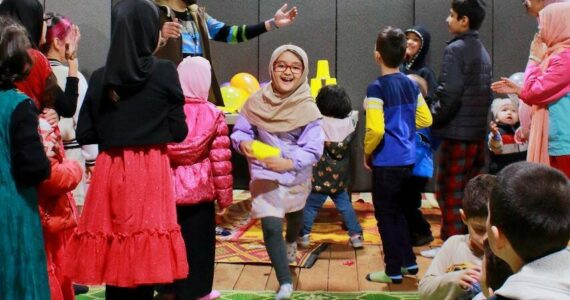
544	278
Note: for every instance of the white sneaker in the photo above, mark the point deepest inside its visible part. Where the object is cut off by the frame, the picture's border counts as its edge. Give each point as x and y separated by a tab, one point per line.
431	253
284	292
356	241
304	241
292	252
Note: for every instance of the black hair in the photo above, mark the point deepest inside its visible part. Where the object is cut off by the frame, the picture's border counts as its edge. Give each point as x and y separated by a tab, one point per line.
333	101
477	194
474	10
497	271
530	205
15	63
391	44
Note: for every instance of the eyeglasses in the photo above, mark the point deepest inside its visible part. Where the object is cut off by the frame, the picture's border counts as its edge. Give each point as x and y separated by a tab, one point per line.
282	67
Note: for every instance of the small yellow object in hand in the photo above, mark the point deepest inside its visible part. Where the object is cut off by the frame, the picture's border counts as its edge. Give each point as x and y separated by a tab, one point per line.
262	151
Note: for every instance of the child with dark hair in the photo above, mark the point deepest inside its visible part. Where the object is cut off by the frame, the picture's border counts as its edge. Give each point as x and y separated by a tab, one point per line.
494	272
460	107
529	228
455	271
331	175
394	108
23	165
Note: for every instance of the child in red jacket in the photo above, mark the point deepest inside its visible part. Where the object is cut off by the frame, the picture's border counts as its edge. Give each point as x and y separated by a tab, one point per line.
57	209
202	173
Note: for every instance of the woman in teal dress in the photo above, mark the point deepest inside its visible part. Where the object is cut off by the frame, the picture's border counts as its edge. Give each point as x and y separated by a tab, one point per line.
23	165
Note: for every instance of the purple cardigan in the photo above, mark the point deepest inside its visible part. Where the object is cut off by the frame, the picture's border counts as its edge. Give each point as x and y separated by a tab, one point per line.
303	145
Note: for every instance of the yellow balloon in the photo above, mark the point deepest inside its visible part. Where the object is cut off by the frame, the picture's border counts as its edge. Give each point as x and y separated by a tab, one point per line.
234	98
262	150
245	81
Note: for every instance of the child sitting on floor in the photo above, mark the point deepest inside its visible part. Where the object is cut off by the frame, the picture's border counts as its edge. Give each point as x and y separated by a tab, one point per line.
455	271
331	175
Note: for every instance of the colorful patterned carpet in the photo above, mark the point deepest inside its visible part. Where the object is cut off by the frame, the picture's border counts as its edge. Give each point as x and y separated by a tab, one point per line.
99	293
255	253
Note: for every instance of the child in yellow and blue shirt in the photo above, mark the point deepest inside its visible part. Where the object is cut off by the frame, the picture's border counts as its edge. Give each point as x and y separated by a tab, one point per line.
394	109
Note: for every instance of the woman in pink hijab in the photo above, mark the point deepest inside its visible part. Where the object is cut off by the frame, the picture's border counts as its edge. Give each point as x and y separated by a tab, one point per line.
547	88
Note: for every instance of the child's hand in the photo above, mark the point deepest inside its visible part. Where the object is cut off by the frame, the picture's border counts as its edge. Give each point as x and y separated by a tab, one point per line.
278	164
171	29
494	128
469	277
521	135
51	116
245	148
506	86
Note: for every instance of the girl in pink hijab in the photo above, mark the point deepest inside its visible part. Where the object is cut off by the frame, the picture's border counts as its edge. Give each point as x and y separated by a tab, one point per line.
547	88
202	174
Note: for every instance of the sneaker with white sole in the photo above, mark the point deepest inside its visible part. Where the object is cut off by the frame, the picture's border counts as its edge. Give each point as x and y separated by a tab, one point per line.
285	292
292	252
431	253
304	241
356	241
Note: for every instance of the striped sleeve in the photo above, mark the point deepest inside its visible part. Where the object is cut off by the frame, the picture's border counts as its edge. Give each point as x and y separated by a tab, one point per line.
423	115
232	34
375	126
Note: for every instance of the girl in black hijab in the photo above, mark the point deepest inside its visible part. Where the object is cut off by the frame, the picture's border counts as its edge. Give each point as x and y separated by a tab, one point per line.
128	236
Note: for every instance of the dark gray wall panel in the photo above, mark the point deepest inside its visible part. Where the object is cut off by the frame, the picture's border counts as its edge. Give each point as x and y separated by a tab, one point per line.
94	21
313	30
432	15
359	22
243	57
513	32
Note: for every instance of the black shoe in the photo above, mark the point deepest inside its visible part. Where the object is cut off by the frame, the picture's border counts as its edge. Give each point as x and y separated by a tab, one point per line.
421	240
79	289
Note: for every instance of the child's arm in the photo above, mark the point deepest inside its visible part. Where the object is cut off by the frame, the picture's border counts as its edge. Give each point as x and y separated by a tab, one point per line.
220	157
495	142
542	88
437	284
311	145
450	88
423	115
374	124
243	132
65	176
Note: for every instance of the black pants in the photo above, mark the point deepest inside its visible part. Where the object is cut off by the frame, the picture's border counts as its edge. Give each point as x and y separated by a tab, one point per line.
412	194
387	186
143	292
198	226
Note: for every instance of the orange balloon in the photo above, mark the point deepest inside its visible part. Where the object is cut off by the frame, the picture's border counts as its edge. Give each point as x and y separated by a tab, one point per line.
245	81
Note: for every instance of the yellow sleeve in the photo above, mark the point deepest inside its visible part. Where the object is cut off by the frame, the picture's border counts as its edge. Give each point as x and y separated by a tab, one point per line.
423	115
375	127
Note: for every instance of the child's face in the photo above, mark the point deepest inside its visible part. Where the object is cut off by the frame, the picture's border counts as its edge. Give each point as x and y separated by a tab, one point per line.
477	233
413	44
456	26
508	115
287	72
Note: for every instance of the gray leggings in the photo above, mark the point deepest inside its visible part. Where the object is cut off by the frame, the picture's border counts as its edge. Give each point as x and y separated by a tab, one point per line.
275	245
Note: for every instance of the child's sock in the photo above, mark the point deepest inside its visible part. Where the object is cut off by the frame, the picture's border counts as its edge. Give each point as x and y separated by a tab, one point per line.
285	291
411	270
211	296
382	277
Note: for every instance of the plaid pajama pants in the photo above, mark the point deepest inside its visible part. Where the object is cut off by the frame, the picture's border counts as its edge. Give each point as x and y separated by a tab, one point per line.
458	162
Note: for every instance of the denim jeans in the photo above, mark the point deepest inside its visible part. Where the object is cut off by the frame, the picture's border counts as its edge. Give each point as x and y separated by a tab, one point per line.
343	204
